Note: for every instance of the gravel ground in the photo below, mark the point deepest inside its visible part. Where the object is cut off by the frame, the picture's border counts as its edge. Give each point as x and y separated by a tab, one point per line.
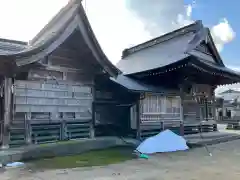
195	164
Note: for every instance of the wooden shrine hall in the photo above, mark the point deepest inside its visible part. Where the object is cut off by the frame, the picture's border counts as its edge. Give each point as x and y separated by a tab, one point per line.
61	86
178	73
49	84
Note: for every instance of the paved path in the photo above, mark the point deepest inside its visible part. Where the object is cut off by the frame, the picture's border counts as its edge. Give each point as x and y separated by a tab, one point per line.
195	164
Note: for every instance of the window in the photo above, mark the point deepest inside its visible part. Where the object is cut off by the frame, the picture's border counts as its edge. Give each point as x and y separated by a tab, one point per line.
161	104
173	105
153	104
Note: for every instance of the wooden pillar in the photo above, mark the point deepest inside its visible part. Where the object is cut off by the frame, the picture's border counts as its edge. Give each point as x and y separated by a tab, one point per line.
28	129
214	103
181	104
181	111
7	112
92	126
138	135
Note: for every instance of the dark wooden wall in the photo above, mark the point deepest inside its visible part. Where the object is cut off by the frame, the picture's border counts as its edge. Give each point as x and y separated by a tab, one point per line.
112	108
55	100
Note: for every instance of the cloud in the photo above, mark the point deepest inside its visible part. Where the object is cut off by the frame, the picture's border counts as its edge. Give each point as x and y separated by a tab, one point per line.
117	24
22	20
114	26
222	33
163	16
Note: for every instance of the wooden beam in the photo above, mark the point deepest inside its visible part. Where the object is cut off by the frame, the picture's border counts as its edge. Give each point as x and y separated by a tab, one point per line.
88	71
62	69
7	112
70	54
56	56
62	51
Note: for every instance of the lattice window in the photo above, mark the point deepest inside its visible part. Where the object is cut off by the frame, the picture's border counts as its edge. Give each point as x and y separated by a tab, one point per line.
173	105
161	104
153	104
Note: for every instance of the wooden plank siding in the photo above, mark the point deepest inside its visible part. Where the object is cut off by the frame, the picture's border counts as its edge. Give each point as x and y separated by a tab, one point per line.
182	114
54	103
51	104
156	113
156	108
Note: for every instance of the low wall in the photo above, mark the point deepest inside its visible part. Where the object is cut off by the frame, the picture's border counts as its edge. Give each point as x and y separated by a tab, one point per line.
57	149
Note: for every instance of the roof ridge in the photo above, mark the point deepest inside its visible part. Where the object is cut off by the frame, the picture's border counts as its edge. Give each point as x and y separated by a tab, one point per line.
229	90
165	37
54	19
13	41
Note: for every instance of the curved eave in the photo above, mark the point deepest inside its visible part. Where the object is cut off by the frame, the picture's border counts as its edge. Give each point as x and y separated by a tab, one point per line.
212	69
77	20
217	69
24	57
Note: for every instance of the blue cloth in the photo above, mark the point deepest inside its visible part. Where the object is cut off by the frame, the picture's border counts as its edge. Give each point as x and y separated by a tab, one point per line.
166	141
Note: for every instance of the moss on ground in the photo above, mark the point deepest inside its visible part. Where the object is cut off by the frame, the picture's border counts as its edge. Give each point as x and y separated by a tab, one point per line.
58	143
88	159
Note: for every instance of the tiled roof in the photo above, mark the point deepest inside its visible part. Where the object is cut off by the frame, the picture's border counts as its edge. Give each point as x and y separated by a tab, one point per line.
69	19
168	49
11	46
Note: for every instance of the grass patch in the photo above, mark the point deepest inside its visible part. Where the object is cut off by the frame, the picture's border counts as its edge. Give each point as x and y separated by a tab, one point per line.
88	159
58	142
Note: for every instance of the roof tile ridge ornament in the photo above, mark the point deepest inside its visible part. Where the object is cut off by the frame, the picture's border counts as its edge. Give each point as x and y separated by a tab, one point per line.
204	35
54	20
75	1
201	35
79	1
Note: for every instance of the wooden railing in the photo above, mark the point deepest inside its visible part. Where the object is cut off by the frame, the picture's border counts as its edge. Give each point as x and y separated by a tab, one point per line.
177	126
152	128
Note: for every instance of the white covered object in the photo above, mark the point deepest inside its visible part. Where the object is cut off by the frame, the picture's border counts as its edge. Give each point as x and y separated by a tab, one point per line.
15	164
166	141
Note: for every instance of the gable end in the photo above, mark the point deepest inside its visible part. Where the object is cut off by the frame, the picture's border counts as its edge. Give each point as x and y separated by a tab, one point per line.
179	32
204	49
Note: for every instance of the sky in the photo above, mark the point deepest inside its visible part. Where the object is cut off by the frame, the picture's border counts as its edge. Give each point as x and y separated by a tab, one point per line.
120	24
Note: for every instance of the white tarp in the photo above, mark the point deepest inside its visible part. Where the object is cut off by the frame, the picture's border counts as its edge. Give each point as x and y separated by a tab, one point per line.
14	164
166	141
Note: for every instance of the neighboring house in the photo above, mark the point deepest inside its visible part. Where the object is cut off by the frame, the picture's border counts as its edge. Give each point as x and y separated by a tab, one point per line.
231	103
229	95
61	85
